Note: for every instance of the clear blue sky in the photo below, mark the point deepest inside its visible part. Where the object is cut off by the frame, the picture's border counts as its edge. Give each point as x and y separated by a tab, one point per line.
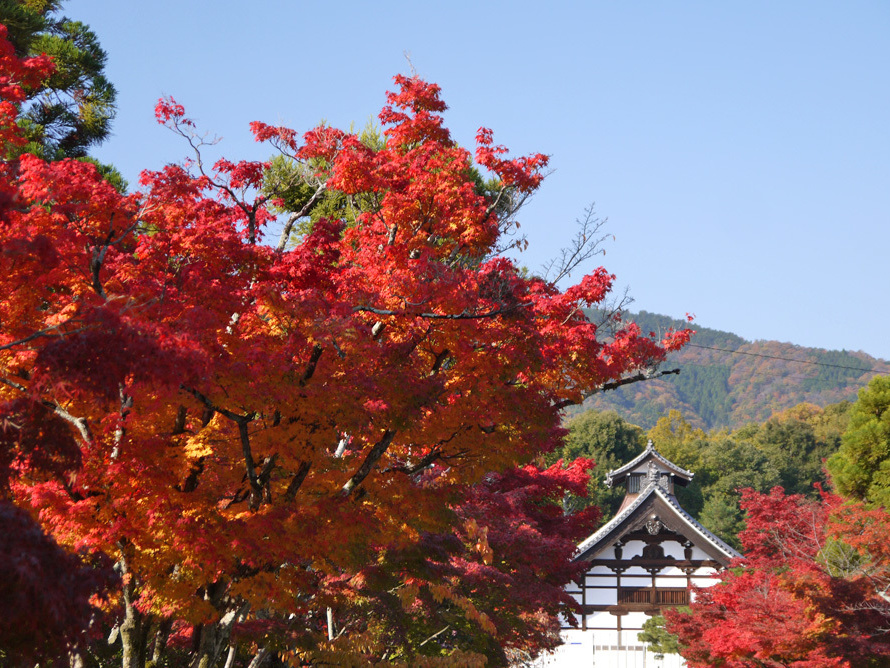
740	150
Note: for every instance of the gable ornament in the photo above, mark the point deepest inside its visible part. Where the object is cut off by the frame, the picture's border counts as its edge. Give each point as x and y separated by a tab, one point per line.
654	525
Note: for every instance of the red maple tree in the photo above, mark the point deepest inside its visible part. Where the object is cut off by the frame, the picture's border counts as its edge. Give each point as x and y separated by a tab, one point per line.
45	590
808	593
251	423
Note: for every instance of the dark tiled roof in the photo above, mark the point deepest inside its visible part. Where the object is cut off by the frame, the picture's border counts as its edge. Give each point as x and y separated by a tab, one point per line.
650	451
671	500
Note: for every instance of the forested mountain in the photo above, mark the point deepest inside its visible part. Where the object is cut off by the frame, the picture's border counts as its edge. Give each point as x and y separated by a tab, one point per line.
727	381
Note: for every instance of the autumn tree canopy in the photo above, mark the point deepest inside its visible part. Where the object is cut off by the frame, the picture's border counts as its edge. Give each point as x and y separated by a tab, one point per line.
244	425
811	591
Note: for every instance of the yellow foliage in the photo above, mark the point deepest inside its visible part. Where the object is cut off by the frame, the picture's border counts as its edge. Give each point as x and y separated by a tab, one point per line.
218	430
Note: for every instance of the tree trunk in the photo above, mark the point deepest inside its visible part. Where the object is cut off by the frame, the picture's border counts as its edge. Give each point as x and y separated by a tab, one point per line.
135	627
133	634
75	659
160	643
260	658
230	659
215	638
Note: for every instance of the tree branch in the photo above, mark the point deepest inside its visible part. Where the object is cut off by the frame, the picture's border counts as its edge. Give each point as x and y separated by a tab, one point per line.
585	245
368	465
425	461
614	385
313	362
126	405
42	333
79	422
439	361
242	421
294	217
465	315
302	471
435	635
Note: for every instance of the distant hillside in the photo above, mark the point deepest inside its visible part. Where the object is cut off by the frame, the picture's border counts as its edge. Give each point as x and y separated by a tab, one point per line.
729	389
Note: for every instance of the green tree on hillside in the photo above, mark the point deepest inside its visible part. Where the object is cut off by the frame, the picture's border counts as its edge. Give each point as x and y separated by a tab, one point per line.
797	448
861	468
677	439
726	466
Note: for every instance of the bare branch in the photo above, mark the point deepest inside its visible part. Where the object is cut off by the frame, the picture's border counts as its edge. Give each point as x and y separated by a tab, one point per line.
294	217
99	252
608	315
584	246
435	635
96	264
79	422
44	333
341	446
436	453
179	422
260	658
439	361
615	384
126	405
411	469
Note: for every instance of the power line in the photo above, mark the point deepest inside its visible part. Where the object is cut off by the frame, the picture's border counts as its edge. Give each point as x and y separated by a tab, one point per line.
784	359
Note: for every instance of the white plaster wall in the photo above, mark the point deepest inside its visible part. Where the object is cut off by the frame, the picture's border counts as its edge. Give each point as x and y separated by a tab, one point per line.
673	570
602	596
670	583
634	570
600	570
601	620
635	621
698	553
644	467
611	658
636	581
673	549
601	581
634	548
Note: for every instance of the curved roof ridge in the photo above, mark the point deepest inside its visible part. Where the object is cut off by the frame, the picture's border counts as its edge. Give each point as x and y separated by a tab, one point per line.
695	524
649	451
650	489
615	521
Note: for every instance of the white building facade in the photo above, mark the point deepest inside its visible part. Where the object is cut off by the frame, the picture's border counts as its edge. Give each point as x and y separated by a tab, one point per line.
645	559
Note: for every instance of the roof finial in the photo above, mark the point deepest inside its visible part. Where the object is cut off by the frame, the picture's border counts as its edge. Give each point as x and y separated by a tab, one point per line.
649	445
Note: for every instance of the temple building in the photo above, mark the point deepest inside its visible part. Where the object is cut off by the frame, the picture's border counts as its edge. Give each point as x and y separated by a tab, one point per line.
640	562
